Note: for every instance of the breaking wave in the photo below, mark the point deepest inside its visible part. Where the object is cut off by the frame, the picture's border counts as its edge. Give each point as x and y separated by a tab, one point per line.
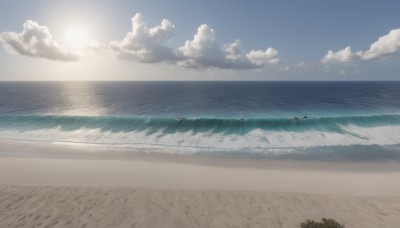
255	137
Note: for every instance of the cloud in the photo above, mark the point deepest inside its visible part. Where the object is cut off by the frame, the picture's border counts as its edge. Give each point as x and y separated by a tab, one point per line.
341	56
144	44
386	46
148	45
36	41
205	52
260	58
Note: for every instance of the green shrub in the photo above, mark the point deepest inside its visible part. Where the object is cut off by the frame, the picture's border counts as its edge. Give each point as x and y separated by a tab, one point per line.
325	223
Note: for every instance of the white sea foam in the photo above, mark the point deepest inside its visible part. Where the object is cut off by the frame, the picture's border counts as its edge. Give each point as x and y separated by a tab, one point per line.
257	140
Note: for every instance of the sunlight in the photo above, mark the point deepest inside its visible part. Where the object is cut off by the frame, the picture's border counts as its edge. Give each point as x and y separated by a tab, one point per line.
76	38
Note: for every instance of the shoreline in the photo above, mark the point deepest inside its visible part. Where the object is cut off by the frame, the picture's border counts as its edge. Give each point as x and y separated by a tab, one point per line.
47	185
171	175
33	149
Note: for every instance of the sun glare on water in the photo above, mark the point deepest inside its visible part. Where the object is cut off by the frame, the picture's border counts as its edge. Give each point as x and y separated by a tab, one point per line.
76	38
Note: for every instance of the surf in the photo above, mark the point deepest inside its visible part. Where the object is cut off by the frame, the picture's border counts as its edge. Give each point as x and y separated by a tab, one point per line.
276	138
196	124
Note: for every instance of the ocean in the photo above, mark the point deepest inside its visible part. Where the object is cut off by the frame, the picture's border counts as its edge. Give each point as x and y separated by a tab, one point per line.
350	121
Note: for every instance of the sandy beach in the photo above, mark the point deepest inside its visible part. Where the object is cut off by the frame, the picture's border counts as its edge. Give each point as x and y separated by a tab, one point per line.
72	189
209	114
139	207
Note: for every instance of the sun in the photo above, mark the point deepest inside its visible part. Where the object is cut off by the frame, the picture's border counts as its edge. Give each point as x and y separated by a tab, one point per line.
77	38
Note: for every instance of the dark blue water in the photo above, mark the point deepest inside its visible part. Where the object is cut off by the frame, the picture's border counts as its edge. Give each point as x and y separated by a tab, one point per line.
345	120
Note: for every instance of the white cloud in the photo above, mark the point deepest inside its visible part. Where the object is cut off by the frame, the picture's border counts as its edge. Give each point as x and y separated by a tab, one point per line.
205	52
146	44
36	41
203	49
386	46
260	58
341	56
234	51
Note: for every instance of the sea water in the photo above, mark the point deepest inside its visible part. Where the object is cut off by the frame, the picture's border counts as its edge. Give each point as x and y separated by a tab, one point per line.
257	120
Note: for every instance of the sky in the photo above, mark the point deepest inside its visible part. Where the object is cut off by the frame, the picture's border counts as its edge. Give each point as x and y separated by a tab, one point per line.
199	40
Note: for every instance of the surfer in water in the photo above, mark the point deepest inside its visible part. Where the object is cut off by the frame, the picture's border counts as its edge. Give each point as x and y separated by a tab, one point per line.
180	118
298	119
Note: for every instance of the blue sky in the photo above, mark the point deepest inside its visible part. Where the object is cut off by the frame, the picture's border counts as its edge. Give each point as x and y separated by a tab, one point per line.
200	40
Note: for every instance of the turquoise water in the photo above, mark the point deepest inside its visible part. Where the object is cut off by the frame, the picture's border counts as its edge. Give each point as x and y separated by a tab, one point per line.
153	125
258	120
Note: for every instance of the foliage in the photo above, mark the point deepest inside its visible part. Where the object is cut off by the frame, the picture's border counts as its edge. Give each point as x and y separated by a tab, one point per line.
325	223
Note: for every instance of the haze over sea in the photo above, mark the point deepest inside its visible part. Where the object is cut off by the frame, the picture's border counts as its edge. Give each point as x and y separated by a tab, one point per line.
351	121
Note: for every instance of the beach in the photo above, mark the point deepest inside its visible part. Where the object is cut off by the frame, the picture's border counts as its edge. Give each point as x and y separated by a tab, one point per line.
190	154
211	114
140	207
80	188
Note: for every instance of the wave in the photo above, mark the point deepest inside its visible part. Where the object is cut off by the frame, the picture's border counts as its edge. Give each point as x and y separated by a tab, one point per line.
347	137
195	125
